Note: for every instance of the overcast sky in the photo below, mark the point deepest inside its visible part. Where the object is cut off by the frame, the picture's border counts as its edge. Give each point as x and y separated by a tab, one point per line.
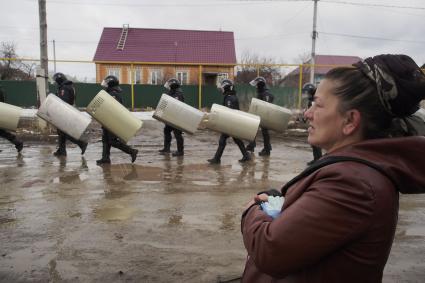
274	29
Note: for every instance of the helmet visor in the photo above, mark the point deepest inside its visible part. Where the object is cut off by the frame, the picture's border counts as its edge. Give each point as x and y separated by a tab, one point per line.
254	82
167	85
104	84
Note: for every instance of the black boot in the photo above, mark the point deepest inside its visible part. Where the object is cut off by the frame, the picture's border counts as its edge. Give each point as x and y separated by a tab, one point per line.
83	146
245	158
126	148
217	157
264	152
180	143
61	151
106	150
12	138
167	140
178	153
245	154
214	161
251	146
19	145
165	150
267	145
133	154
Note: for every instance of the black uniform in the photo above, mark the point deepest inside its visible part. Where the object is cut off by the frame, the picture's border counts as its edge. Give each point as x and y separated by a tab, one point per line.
230	100
265	95
110	140
7	135
66	92
177	94
317	152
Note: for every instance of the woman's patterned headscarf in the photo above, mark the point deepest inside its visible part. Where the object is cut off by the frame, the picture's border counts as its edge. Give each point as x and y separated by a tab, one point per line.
399	81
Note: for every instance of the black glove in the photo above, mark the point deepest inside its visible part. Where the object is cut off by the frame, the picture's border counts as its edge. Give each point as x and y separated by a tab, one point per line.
271	192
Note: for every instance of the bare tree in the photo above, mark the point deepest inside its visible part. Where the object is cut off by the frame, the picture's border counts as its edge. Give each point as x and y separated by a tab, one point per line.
254	65
11	68
8	63
28	69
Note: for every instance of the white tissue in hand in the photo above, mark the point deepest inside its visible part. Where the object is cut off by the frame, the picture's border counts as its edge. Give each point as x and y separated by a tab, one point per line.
273	206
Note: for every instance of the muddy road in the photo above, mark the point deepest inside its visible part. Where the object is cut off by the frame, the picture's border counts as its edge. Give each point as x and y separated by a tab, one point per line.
162	219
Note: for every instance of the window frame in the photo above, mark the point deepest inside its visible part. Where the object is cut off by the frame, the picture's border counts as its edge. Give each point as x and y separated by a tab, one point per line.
182	73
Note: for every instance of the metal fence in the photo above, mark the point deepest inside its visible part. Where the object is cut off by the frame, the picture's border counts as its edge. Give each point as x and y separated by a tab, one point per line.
24	94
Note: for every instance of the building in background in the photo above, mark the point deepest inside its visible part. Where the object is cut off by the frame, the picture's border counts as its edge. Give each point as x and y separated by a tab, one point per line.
323	64
151	56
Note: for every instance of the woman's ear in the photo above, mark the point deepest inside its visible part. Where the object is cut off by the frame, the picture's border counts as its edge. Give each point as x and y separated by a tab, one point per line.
351	122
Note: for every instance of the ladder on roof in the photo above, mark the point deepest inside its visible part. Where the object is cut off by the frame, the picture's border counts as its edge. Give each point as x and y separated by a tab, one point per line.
123	37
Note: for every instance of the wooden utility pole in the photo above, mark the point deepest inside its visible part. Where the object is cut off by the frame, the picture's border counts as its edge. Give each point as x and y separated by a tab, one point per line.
41	75
313	44
44	61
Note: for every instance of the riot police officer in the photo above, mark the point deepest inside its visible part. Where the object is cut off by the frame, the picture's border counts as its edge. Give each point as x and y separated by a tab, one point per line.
111	85
173	90
7	135
263	94
66	92
310	90
230	100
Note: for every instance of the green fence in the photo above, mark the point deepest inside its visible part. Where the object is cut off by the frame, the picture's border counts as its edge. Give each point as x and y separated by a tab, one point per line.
24	94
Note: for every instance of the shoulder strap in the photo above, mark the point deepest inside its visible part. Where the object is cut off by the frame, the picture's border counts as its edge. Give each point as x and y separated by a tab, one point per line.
331	160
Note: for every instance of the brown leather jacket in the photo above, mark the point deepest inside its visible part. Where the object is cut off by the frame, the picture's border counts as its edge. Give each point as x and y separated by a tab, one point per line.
337	224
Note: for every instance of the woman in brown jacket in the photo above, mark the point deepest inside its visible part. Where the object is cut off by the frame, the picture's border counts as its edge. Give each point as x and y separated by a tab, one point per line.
339	216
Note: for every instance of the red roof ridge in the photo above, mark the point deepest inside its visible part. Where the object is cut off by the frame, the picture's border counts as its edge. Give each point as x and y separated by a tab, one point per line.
170	29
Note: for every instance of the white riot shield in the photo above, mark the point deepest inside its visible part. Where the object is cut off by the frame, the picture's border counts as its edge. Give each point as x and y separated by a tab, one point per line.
63	116
114	116
273	117
235	123
178	114
9	116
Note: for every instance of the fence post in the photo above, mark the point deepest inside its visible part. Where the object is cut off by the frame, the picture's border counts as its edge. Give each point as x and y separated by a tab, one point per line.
200	88
300	86
132	86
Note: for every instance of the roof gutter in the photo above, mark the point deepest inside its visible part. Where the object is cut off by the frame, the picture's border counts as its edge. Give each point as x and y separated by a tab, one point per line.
165	63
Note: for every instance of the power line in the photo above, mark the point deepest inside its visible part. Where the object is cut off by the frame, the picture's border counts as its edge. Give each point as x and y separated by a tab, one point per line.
373	5
172	4
371	37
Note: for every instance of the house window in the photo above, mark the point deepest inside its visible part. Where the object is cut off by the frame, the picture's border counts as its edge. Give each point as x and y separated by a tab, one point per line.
136	74
155	77
183	77
114	72
222	76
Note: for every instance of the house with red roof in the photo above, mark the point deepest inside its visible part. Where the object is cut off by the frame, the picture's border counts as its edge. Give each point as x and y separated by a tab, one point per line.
323	63
152	56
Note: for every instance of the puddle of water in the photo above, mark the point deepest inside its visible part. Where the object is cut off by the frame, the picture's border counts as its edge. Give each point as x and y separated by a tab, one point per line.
175	220
68	178
133	172
114	213
416	231
227	222
31	183
205	183
6	221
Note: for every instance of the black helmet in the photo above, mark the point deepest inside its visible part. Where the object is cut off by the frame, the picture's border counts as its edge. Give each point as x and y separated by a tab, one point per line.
226	85
309	89
258	82
172	83
59	78
110	81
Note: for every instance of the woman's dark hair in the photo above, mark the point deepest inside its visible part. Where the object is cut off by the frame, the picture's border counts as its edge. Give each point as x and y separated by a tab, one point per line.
356	91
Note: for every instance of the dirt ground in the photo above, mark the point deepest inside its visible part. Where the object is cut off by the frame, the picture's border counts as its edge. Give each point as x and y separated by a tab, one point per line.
162	219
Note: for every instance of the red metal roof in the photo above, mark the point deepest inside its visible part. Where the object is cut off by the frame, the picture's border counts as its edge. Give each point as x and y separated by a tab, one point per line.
167	45
331	61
